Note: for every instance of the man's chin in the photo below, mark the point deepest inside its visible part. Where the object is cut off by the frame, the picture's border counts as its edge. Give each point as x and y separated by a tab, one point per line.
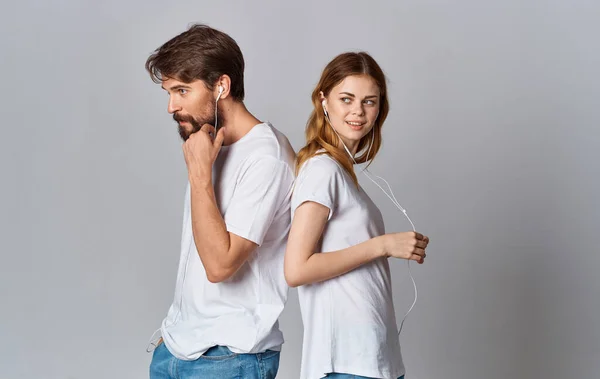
183	133
187	128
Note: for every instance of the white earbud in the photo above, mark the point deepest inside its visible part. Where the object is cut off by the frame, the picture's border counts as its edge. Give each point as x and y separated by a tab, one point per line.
324	110
220	92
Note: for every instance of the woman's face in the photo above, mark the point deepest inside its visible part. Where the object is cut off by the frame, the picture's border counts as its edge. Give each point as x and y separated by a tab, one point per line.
353	106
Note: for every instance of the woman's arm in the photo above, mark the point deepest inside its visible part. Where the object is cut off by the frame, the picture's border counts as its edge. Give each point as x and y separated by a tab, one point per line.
304	266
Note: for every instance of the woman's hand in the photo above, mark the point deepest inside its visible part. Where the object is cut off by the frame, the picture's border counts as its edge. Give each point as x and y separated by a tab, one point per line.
405	245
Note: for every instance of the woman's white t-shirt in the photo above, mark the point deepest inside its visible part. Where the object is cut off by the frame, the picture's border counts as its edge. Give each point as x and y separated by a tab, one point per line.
349	321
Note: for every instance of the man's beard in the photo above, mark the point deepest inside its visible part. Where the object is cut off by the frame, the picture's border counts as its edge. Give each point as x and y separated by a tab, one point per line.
197	122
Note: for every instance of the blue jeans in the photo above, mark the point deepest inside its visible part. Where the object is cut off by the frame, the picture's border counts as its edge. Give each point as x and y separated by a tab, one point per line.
218	362
335	375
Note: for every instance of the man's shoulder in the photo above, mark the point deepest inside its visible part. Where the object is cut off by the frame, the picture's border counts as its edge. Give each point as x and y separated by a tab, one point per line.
269	143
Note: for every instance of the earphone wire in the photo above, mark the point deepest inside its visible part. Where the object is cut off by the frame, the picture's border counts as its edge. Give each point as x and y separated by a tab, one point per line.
393	199
152	344
153	341
217	111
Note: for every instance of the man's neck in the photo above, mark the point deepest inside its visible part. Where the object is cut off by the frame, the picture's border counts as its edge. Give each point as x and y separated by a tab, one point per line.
238	121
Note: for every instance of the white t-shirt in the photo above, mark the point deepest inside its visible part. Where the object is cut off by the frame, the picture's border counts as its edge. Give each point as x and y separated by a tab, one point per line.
349	321
253	180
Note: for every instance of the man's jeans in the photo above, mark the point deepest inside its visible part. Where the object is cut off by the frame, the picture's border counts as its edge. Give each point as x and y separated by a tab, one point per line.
217	363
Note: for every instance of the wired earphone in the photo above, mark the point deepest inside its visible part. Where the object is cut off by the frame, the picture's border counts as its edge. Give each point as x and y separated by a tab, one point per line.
390	196
217	107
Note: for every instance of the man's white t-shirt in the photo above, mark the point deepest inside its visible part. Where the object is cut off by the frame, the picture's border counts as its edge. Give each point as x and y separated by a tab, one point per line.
253	180
349	321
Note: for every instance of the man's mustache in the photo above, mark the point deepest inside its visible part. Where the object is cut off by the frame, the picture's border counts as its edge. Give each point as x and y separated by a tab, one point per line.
182	118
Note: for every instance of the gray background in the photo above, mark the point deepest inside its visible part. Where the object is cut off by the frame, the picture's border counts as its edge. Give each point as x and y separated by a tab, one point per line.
491	144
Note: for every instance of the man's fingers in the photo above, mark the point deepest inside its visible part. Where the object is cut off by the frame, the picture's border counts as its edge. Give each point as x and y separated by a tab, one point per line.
208	128
219	139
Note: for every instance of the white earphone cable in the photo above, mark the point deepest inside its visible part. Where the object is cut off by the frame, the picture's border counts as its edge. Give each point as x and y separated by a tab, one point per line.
152	344
393	200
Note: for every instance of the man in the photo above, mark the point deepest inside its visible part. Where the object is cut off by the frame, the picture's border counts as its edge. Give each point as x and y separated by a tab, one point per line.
230	286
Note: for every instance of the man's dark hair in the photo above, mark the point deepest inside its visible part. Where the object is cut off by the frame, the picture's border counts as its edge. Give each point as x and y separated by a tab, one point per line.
200	53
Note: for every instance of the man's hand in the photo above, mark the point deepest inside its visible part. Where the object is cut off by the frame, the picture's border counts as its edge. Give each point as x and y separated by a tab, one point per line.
200	152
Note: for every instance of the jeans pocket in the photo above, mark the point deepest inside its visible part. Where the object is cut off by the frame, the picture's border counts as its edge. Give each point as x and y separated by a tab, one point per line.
218	353
269	354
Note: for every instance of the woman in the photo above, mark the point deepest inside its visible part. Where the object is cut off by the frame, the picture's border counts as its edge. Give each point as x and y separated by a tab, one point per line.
337	248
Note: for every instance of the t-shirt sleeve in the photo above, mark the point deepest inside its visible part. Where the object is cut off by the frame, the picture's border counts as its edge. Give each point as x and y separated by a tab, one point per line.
319	180
259	194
